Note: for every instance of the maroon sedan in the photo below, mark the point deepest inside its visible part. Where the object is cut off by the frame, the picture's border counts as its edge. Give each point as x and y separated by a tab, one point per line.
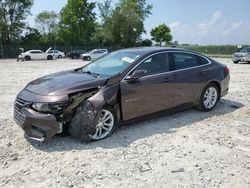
89	102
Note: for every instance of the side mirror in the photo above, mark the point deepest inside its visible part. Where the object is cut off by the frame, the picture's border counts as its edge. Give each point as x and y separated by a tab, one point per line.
136	75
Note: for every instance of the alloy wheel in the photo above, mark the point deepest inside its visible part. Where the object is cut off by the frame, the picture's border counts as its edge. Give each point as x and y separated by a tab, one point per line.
104	126
210	97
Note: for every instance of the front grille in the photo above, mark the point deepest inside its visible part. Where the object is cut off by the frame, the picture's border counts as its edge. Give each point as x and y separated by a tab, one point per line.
22	102
239	55
19	116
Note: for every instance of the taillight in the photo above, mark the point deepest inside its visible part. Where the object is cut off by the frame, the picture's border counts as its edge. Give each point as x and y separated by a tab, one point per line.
226	70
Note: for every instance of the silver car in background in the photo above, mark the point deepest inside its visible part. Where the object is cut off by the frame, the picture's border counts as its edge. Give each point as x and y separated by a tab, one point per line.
242	56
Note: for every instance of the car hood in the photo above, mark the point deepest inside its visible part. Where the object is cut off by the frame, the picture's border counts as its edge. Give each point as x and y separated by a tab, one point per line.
48	50
63	83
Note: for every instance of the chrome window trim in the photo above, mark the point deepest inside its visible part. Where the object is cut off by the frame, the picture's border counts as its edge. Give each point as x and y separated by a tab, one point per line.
209	63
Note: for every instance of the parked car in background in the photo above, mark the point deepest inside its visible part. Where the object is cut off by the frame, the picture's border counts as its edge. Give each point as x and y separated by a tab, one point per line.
242	56
94	54
36	55
75	54
91	100
57	53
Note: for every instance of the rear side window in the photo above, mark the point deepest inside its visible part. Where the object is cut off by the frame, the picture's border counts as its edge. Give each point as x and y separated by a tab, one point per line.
185	60
202	61
36	52
155	64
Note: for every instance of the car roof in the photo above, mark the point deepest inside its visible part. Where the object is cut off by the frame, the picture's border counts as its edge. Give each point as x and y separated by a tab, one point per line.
34	50
98	49
147	50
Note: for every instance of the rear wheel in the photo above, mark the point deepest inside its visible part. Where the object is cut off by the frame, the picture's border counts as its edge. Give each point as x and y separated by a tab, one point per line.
236	62
88	58
27	58
209	97
49	57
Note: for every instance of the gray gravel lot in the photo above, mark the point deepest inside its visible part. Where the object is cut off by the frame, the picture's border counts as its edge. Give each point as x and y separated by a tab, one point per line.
186	149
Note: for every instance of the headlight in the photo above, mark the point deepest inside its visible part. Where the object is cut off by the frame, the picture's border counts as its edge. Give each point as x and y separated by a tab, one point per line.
40	106
49	107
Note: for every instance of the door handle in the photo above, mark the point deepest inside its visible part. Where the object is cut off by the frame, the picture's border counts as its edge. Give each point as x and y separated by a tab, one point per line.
201	73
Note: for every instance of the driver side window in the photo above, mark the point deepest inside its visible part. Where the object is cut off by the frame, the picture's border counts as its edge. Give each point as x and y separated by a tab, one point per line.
155	64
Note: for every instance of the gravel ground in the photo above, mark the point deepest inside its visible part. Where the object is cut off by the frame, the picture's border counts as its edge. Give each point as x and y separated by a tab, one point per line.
186	149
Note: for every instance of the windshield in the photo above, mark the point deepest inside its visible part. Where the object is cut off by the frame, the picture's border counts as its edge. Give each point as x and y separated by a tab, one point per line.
245	50
112	63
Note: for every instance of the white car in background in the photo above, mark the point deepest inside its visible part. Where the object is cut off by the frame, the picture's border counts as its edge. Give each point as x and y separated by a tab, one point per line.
56	53
36	55
94	54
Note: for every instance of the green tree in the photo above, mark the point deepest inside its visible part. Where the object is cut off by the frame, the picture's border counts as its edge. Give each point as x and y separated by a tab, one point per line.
47	22
105	10
12	16
124	26
146	42
161	34
31	37
77	23
103	35
140	7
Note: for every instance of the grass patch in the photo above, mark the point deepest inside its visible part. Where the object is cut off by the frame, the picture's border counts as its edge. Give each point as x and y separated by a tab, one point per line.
219	56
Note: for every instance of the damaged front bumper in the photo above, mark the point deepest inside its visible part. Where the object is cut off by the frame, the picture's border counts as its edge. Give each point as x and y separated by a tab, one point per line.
42	126
37	126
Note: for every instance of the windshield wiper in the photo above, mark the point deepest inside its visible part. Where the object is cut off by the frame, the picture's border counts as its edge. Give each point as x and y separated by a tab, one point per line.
91	73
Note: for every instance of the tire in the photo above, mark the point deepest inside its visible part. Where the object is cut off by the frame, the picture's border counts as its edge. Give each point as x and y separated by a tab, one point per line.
88	58
209	98
101	131
59	57
236	62
49	57
27	58
84	58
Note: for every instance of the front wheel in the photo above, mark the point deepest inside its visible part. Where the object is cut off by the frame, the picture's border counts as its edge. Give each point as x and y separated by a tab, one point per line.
236	62
105	125
27	58
84	58
82	129
209	98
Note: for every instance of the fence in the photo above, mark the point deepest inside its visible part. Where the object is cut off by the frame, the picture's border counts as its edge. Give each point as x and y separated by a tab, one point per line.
12	51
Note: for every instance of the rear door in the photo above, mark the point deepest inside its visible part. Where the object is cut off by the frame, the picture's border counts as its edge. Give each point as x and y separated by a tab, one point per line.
37	54
190	76
150	93
97	54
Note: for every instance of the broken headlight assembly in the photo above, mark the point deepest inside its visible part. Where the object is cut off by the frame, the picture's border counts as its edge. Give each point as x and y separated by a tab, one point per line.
49	107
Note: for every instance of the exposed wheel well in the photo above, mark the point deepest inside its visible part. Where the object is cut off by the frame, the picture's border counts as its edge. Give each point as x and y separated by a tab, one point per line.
116	107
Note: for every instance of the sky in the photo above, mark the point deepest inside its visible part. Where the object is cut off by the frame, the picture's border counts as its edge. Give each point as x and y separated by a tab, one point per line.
191	21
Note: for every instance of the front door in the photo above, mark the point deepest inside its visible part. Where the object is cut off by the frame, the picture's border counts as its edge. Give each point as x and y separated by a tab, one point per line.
150	93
